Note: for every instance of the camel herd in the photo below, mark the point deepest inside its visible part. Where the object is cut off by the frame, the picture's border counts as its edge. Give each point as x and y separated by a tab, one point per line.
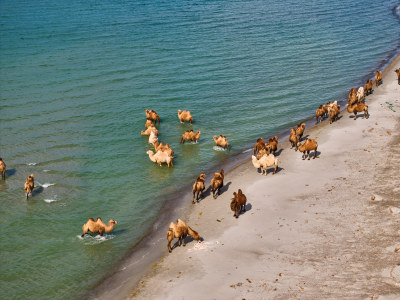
263	158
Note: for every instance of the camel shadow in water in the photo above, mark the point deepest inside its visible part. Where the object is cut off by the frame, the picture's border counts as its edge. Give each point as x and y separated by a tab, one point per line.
37	191
10	172
119	231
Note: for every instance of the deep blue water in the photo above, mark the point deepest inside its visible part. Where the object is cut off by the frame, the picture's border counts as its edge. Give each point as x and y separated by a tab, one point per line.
76	77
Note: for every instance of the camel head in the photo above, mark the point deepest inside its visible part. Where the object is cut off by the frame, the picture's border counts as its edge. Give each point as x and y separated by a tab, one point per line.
255	162
112	221
215	138
32	176
179	112
202	175
150	153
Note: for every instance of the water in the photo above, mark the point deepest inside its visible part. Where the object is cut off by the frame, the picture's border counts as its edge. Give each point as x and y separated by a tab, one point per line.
76	77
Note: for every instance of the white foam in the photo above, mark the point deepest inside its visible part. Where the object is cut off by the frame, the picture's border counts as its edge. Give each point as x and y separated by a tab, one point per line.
97	239
49	200
31	164
46	185
248	150
46	171
217	148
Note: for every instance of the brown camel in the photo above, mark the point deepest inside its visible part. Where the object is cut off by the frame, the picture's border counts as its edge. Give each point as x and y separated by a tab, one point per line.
152	115
198	187
368	87
358	107
190	135
97	226
180	230
398	75
333	112
293	139
378	78
300	130
272	145
217	183
308	145
238	203
29	185
3	169
320	113
260	144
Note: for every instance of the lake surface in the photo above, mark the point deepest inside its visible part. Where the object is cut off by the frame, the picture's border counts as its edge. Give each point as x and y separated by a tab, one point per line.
77	76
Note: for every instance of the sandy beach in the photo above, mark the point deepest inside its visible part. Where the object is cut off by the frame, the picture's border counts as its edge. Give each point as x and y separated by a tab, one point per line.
325	228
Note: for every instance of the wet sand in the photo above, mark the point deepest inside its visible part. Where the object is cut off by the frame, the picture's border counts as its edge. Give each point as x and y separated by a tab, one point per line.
317	228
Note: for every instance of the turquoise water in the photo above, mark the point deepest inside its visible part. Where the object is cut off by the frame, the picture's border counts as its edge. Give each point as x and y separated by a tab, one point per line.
76	77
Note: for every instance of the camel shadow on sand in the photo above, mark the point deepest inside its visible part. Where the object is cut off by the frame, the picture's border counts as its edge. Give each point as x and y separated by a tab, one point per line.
208	191
187	240
270	170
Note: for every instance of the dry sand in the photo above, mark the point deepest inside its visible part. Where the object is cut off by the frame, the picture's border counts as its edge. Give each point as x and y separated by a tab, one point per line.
311	231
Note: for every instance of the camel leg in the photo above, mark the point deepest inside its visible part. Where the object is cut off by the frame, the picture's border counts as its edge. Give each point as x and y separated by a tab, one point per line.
315	153
275	169
308	154
355	115
183	240
304	155
193	198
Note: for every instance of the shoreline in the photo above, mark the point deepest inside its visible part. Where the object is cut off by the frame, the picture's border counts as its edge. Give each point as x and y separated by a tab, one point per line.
122	282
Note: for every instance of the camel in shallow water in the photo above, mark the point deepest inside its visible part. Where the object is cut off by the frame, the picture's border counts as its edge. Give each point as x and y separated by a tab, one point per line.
190	135
97	226
153	116
2	169
180	230
198	187
221	141
29	185
161	157
185	116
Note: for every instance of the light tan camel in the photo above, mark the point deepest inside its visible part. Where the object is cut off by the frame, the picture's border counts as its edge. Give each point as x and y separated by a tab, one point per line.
260	144
368	87
360	94
180	230
152	115
190	135
185	116
378	78
164	148
153	138
358	107
238	203
198	187
265	162
308	145
217	182
160	157
293	139
98	226
149	130
221	141
3	169
29	185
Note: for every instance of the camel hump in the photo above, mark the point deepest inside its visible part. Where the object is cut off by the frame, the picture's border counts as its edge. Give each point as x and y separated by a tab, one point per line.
91	219
99	219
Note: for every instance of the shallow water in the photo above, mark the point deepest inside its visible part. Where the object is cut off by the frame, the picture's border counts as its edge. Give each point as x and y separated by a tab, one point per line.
77	76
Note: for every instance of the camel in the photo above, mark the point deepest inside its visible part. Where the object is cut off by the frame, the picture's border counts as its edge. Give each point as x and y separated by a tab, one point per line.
160	157
378	78
368	87
360	94
262	152
293	139
189	135
165	148
300	130
98	226
180	230
265	162
333	112
398	75
2	169
272	145
320	113
358	107
217	183
353	91
152	115
198	187
153	137
259	145
185	116
221	141
238	203
149	130
148	123
29	185
308	145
